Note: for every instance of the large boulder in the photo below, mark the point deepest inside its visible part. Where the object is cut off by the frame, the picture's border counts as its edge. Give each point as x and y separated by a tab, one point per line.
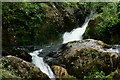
71	47
85	56
89	60
109	33
16	52
14	67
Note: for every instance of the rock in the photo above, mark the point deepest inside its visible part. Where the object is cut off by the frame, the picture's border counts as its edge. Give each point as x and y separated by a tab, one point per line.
63	16
117	74
16	52
109	35
89	60
60	72
71	47
21	68
85	56
77	45
57	18
8	74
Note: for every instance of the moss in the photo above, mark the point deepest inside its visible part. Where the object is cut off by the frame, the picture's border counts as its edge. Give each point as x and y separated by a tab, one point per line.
111	75
18	67
93	54
88	60
7	68
8	74
106	46
93	75
72	77
101	75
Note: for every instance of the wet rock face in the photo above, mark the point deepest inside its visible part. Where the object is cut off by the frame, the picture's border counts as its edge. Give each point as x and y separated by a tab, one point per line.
17	52
60	72
64	17
85	56
21	68
71	47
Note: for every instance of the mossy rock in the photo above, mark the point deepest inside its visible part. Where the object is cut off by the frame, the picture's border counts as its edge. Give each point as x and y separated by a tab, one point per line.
116	76
21	68
87	60
8	74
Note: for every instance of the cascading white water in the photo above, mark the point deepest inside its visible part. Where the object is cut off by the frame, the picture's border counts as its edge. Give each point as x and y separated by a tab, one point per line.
116	49
38	61
76	34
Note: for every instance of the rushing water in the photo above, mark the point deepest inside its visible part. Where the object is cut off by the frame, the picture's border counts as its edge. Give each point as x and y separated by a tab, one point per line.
38	61
76	34
116	49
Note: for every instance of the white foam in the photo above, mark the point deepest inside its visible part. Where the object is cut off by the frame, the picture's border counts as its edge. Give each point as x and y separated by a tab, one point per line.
44	67
76	34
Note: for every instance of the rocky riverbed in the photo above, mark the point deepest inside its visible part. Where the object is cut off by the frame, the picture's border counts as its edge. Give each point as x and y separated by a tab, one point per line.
77	59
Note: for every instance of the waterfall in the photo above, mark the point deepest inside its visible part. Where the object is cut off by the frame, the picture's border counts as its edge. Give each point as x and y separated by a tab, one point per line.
116	49
76	34
38	61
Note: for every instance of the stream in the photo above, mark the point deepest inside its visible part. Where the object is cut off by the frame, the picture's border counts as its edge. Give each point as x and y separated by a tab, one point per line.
44	67
74	35
38	53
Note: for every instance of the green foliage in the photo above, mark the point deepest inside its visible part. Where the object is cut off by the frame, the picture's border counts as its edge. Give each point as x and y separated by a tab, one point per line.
7	72
106	46
99	75
28	23
40	23
106	23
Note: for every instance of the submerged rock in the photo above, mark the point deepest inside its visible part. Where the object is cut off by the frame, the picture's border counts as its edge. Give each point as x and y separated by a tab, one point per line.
18	68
